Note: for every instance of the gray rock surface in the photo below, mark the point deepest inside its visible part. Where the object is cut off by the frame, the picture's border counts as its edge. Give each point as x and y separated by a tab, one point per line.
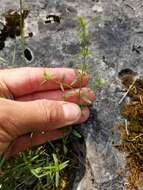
116	35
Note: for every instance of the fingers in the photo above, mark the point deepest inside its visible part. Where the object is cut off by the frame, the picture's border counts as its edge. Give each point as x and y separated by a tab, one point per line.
27	141
20	118
24	142
24	81
40	115
86	96
84	115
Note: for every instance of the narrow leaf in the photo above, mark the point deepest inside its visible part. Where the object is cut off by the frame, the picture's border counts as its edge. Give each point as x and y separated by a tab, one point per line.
62	87
76	134
86	99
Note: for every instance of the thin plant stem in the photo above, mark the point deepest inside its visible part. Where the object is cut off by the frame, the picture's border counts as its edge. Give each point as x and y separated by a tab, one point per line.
22	32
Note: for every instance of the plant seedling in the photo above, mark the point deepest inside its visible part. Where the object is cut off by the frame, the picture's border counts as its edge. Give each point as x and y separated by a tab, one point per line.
84	53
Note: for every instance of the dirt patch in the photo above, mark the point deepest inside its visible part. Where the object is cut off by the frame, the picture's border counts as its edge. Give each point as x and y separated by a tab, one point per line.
132	131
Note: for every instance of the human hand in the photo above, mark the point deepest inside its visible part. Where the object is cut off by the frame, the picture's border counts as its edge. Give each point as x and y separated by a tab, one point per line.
36	107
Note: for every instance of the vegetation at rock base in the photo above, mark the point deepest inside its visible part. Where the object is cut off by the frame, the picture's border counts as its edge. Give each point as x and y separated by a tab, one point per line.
132	131
48	167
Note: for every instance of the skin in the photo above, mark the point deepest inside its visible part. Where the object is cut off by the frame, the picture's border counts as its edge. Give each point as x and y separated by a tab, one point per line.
30	106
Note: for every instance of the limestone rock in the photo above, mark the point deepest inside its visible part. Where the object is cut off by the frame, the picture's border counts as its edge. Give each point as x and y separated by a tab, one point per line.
116	36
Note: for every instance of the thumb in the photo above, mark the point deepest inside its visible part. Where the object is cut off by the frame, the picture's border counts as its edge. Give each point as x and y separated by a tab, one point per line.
39	115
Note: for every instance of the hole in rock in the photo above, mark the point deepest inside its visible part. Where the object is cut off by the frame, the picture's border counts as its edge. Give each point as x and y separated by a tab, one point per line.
136	49
30	34
52	19
28	54
125	72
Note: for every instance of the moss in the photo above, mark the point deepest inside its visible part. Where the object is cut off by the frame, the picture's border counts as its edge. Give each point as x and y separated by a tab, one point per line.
132	132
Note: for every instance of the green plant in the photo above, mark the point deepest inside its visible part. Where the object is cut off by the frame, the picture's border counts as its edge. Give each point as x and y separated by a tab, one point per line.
48	76
21	24
81	74
52	170
96	82
43	167
23	15
83	36
2	60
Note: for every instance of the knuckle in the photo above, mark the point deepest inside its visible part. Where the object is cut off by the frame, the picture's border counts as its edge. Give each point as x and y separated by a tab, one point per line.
3	147
7	127
4	91
53	112
4	128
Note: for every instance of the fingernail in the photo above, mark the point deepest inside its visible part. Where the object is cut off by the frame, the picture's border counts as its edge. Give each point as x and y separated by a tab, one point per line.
72	112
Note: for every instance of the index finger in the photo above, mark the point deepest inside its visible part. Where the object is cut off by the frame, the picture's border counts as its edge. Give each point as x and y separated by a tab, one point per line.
27	80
